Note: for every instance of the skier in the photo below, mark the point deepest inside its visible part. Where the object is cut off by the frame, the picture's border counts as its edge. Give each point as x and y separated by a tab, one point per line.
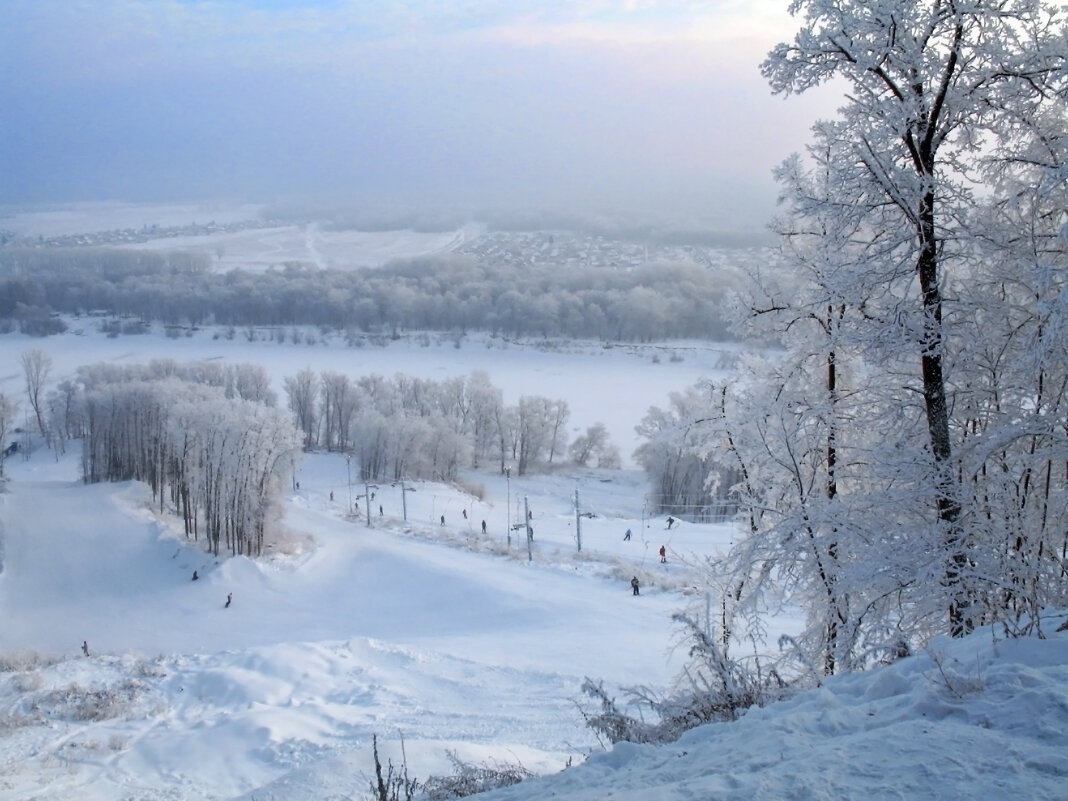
465	514
663	554
331	496
85	647
670	522
483	528
634	585
195	576
229	599
443	520
626	537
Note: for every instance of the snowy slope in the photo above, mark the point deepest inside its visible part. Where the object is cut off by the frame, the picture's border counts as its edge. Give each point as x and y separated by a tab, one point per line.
401	630
451	643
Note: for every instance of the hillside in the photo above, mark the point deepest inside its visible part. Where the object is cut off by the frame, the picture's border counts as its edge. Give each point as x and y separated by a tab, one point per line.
449	642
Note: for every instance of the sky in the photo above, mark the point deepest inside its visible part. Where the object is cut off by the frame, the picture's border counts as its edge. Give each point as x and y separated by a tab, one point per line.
608	106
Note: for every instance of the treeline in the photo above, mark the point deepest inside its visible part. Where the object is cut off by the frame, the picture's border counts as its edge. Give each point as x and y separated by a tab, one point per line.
405	427
219	459
446	293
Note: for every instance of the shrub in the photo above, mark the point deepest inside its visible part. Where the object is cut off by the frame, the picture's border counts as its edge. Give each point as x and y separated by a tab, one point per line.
720	688
468	779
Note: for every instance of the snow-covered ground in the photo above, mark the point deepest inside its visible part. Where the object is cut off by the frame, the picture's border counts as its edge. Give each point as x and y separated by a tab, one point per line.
258	249
445	641
610	385
437	637
92	217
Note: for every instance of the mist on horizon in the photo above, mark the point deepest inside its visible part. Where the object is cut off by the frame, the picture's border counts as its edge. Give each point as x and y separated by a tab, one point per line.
648	112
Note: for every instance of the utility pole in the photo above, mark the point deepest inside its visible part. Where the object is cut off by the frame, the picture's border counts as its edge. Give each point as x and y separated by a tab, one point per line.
530	530
578	521
348	470
508	480
404	498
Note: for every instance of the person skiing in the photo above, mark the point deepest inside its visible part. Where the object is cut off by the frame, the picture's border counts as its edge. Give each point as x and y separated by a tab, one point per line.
626	537
465	514
670	522
634	585
483	527
663	554
443	520
85	647
195	576
229	599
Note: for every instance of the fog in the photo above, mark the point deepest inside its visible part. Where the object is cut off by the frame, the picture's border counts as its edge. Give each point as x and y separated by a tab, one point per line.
647	109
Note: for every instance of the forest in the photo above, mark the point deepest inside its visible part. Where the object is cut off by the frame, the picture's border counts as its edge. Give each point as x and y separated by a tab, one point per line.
449	293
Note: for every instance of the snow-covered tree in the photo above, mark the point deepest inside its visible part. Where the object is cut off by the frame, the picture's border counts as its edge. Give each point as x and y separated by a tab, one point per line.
8	409
36	367
594	444
301	391
221	462
932	87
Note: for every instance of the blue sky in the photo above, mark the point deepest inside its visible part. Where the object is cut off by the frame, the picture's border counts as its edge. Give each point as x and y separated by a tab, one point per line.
598	106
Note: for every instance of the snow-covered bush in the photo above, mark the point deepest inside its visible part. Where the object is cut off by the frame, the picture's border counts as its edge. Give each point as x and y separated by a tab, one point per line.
468	779
716	688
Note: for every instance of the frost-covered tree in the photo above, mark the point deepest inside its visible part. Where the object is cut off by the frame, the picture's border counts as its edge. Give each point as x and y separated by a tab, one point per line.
484	403
301	391
594	444
36	367
932	87
221	462
8	409
671	454
540	430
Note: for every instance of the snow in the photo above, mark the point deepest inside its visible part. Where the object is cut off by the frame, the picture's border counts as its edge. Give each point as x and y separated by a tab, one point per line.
440	638
259	249
93	217
611	385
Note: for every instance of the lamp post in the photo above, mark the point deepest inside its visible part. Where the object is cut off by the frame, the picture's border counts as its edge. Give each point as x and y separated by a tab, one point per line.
508	481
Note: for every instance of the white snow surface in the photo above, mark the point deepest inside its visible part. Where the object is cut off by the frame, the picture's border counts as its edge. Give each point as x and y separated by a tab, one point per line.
445	641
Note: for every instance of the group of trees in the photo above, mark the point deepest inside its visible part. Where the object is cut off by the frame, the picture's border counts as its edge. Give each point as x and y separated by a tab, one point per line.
902	467
406	427
686	480
448	293
206	438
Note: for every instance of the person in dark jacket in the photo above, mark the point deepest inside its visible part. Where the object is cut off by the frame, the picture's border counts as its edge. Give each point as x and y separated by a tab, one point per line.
634	585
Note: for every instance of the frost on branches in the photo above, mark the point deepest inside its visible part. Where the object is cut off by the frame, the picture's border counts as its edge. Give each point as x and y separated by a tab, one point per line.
903	460
220	460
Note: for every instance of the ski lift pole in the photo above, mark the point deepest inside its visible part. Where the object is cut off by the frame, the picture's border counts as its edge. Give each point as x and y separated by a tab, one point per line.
530	532
578	522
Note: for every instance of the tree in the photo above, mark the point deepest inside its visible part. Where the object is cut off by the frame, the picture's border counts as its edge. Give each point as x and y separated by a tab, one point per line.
8	409
931	85
301	391
36	365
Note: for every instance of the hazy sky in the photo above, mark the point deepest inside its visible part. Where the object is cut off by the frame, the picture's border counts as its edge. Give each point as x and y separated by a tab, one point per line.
595	105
